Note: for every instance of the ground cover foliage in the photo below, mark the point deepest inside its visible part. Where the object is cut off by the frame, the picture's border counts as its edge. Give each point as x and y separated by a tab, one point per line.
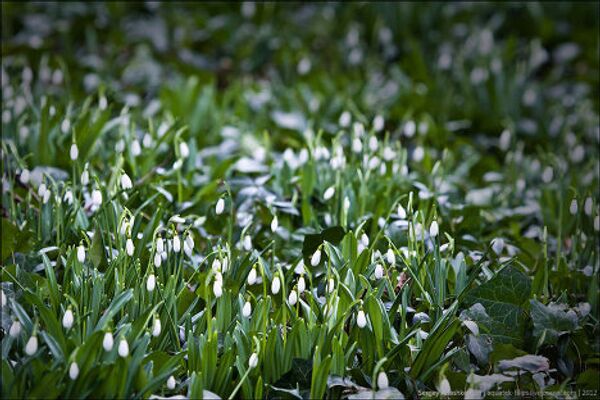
258	200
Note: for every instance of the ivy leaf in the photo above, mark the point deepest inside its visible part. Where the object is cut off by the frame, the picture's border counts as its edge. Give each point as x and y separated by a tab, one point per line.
552	321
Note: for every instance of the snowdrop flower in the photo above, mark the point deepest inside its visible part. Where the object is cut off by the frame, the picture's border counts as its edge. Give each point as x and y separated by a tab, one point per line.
573	208
275	285
123	348
388	153
252	277
68	197
15	329
382	380
136	149
547	175
378	123
361	319
73	371
364	240
401	212
301	285
356	145
434	229
107	342
96	197
171	382
31	346
147	140
218	287
247	243
68	318
25	175
373	143
184	150
316	258
85	177
253	361
151	283
81	253
346	204
344	120
504	141
390	256
330	285
129	247
247	309
157	259
74	152
378	271
65	126
410	128
418	154
102	103
274	224
42	189
329	193
293	298
216	265
156	327
220	207
597	223
126	183
176	244
498	245
225	264
3	298
589	204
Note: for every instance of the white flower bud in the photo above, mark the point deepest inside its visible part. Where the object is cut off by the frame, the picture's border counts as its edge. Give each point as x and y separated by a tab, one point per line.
68	197
247	243
316	258
497	245
24	177
85	177
157	259
293	298
573	208
390	256
96	197
151	283
129	247
274	224
378	271
73	371
68	318
361	319
330	285
589	204
301	285
252	277
123	348
171	383
401	212
373	143
247	309
156	327
356	145
253	361
364	240
225	264
15	329
184	150
81	253
136	149
434	229
382	380
216	265
176	244
160	245
597	223
218	287
31	346
3	298
329	193
74	152
275	285
108	341
126	182
220	207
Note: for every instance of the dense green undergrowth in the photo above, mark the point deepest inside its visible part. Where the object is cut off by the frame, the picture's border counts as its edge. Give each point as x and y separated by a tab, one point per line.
299	201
